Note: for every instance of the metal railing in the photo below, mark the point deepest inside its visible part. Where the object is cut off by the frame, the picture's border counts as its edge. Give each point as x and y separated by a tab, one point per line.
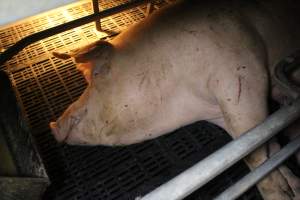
257	174
204	171
21	44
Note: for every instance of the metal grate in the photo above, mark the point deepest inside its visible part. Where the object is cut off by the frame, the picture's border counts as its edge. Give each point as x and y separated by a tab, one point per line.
45	86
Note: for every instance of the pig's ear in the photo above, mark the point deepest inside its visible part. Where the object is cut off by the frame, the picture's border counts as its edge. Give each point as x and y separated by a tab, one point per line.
62	56
101	53
98	50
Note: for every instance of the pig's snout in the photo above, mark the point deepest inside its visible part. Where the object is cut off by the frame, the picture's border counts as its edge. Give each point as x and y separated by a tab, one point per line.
68	127
63	126
62	129
60	137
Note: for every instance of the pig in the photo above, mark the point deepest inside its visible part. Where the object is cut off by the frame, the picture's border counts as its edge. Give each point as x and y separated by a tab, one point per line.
190	61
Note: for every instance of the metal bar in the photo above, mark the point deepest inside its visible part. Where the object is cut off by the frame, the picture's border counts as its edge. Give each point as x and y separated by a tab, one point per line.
149	9
21	44
257	174
202	172
96	10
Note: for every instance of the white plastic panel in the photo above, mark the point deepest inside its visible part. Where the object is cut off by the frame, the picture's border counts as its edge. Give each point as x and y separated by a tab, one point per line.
13	10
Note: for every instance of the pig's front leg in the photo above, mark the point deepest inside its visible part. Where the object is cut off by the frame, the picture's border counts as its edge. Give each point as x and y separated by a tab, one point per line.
242	97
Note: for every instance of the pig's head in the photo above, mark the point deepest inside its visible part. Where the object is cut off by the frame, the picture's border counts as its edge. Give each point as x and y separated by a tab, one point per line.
91	60
72	126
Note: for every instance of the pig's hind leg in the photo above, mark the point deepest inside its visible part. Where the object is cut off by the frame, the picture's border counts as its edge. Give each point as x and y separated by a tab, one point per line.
242	97
292	179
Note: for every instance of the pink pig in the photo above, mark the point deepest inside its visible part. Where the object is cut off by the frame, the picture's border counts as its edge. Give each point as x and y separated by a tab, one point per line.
188	62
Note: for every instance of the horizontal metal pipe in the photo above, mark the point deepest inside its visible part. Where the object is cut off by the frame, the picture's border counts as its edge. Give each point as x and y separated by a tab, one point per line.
257	174
202	172
21	44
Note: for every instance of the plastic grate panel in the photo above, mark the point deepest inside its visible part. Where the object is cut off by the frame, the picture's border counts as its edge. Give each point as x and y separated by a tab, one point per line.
7	37
46	86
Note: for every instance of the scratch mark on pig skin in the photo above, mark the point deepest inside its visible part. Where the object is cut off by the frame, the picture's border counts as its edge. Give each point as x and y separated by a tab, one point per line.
239	89
101	130
140	74
192	32
142	80
208	82
240	67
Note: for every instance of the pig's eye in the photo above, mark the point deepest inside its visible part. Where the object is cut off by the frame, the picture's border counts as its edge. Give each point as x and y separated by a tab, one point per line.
75	120
96	73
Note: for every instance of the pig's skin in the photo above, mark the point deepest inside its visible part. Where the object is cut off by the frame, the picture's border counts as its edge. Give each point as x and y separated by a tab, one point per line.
212	61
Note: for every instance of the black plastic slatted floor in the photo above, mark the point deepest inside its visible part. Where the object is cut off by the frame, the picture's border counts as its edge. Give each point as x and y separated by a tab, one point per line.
45	86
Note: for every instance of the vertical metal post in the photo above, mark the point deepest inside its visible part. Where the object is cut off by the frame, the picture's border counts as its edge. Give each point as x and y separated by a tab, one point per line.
96	10
149	9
